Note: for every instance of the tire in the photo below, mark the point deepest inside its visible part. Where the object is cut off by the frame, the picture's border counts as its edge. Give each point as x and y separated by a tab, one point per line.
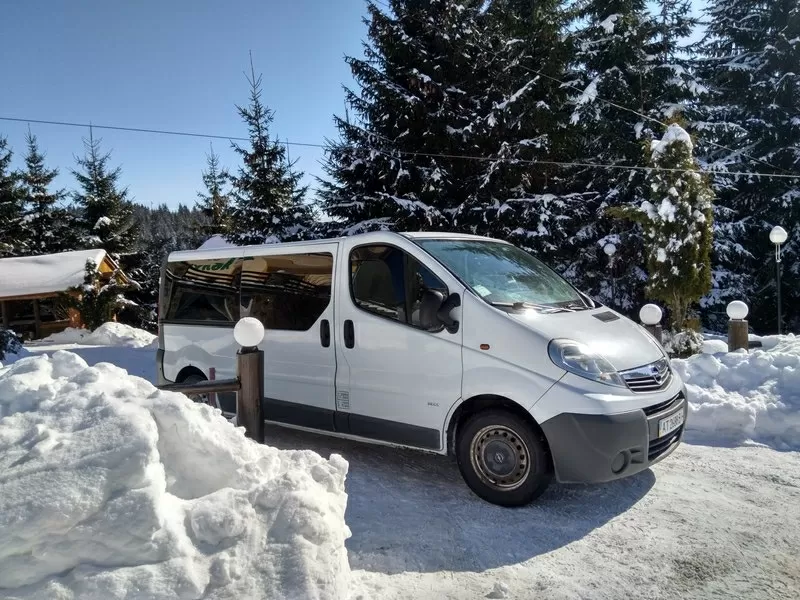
503	459
196	378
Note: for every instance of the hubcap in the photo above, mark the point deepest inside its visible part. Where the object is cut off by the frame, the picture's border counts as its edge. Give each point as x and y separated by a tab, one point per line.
500	457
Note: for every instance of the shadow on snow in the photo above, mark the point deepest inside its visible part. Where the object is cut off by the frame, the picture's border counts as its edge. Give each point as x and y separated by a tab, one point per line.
411	511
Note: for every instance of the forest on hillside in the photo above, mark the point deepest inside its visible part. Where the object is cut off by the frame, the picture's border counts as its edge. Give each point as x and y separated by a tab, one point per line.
568	128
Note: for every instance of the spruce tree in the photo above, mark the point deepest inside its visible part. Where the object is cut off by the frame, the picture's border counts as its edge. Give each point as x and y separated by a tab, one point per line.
267	195
11	206
419	104
751	114
214	203
676	221
521	194
48	227
106	212
629	72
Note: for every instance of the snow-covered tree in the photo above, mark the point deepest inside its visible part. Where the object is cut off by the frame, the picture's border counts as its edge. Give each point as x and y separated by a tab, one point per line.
47	227
749	61
629	72
677	227
421	95
521	194
106	213
267	195
214	202
100	297
11	206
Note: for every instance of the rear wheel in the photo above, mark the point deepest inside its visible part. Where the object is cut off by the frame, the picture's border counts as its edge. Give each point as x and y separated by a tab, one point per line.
196	378
503	459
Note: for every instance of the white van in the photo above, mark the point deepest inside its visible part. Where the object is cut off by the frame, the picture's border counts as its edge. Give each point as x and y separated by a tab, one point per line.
441	342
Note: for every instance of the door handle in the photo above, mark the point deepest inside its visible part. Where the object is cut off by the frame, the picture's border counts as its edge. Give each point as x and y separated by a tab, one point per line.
325	333
349	334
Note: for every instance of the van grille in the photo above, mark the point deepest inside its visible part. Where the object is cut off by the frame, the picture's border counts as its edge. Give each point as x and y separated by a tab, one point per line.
648	378
663	406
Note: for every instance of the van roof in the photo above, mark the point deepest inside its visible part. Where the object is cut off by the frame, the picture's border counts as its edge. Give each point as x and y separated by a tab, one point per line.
237	251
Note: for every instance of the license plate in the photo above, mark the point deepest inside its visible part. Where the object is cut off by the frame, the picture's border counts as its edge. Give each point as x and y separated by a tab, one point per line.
669	424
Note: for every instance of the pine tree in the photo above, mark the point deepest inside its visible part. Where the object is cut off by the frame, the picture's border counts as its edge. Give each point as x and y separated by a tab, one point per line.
11	206
629	73
751	116
48	226
100	298
214	203
266	191
521	194
676	221
106	218
421	96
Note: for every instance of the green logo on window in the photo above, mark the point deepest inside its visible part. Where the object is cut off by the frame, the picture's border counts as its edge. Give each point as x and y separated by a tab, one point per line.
217	266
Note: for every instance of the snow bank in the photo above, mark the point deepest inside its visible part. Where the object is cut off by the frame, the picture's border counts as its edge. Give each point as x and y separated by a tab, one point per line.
108	334
742	395
113	489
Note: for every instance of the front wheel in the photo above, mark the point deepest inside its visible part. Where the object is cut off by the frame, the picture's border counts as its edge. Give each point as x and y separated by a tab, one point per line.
503	459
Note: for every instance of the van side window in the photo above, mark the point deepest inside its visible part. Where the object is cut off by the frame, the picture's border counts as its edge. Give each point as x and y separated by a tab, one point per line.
389	283
287	291
203	290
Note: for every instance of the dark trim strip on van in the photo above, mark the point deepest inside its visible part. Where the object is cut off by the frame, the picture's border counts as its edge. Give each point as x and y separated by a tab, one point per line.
323	419
226	324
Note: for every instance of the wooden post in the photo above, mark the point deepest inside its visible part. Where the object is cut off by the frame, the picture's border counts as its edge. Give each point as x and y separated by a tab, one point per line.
737	335
656	331
249	411
37	319
6	316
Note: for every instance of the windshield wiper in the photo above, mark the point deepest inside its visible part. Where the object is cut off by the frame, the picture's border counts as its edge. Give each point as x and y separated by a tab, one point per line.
533	305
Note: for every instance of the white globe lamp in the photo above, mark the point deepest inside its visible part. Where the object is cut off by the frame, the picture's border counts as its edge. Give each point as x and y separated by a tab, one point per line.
610	249
650	314
248	332
737	310
778	235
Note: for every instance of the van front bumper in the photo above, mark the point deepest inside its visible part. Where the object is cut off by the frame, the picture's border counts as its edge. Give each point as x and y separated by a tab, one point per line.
597	448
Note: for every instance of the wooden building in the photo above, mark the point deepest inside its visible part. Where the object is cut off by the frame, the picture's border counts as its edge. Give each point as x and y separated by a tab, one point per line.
31	289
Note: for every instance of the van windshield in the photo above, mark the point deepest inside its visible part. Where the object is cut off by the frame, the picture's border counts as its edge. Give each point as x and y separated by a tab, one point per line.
504	275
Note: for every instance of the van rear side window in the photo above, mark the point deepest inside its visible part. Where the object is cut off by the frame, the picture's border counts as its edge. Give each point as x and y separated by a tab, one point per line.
203	290
287	291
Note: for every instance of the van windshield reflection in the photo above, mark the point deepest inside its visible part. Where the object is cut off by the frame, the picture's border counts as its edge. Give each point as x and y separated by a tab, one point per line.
506	276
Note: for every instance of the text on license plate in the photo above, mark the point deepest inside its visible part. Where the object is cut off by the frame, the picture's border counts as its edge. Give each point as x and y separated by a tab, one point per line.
670	423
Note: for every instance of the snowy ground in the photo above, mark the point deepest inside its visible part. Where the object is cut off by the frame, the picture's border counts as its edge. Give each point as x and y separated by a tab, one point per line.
720	518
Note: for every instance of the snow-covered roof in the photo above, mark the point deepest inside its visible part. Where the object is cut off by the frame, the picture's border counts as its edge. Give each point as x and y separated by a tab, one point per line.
215	242
46	274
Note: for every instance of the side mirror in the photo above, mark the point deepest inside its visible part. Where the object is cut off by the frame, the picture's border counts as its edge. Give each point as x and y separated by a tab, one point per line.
429	310
443	314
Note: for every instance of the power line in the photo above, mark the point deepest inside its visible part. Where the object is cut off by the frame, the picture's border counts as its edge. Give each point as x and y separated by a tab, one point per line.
394	153
144	130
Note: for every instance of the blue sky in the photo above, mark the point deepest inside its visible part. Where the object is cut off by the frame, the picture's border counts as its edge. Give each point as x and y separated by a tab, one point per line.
175	65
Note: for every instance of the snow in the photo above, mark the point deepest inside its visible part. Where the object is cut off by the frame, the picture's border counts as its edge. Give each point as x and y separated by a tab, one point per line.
745	396
608	23
113	489
102	222
674	134
10	358
707	521
29	275
108	334
216	242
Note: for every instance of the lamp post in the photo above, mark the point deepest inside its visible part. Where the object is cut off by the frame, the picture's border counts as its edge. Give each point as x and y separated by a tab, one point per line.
610	249
738	338
650	316
778	236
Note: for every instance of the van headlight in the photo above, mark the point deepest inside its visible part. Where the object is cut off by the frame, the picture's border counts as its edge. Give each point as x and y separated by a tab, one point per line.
577	358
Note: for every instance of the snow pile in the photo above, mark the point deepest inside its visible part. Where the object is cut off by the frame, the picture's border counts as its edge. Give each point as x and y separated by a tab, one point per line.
742	395
108	334
216	242
110	489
